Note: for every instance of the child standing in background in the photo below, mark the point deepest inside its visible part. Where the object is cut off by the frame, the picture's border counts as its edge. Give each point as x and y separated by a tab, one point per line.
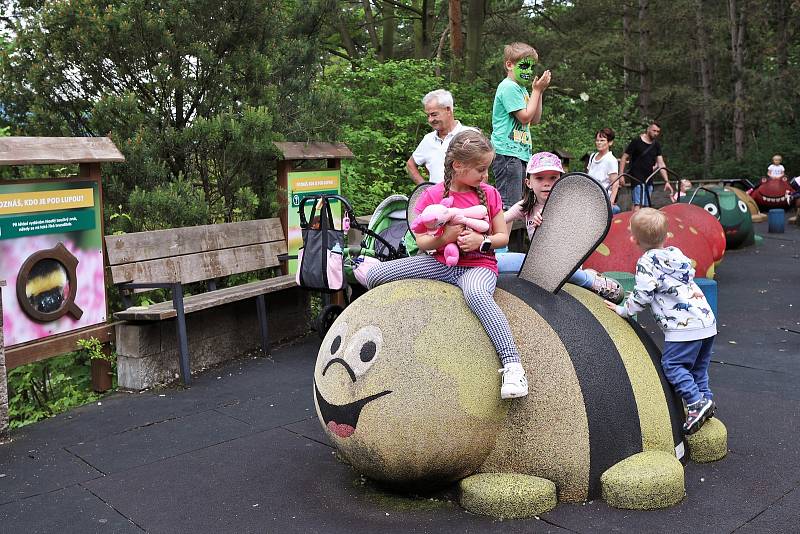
544	170
513	112
776	170
665	282
466	167
683	186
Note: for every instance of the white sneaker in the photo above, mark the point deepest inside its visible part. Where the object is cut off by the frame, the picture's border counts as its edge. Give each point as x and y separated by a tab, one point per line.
515	384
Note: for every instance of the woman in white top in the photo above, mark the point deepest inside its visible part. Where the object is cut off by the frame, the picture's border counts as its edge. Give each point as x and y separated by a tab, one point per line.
603	166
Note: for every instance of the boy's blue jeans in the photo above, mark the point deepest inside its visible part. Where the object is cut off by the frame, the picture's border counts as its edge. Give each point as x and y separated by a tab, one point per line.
685	365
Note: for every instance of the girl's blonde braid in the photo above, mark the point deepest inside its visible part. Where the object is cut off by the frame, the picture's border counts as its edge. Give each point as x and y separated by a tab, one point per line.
448	179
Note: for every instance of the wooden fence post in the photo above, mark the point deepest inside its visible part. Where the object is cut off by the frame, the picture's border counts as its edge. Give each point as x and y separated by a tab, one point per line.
3	377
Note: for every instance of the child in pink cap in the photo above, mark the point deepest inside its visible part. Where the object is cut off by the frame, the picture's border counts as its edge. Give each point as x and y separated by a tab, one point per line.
544	170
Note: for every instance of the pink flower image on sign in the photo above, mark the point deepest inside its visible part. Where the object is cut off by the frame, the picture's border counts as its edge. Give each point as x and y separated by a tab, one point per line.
90	296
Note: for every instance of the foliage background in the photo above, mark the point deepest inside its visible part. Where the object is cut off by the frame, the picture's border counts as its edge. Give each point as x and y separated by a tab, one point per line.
195	93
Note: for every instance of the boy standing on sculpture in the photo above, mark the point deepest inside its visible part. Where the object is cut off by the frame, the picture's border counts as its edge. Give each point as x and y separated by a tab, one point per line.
513	112
665	283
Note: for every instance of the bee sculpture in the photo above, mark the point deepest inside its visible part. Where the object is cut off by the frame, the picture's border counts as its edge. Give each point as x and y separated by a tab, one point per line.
407	389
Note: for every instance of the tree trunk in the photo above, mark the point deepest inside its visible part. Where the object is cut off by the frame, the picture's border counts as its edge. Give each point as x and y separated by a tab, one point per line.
627	64
456	40
476	16
644	71
389	23
371	29
429	18
696	131
705	84
423	30
782	15
783	85
347	39
737	26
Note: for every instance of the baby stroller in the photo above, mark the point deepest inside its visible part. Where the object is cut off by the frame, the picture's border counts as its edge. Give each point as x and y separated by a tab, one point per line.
324	247
384	237
391	221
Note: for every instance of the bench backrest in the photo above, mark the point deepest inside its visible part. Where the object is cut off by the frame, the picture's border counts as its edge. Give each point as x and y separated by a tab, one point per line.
195	253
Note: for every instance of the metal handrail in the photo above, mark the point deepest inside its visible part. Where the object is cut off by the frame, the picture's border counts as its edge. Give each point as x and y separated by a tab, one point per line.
648	180
716	199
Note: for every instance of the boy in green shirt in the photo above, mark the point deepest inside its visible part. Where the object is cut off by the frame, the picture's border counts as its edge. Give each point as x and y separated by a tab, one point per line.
513	111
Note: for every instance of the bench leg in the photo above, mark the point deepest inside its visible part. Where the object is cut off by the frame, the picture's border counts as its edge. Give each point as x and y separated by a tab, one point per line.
183	344
261	305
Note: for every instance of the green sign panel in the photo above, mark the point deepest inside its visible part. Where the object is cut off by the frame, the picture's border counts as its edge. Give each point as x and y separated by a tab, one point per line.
298	197
302	184
50	222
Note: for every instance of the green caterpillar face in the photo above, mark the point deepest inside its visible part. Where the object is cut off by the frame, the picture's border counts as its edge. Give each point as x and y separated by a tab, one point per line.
732	213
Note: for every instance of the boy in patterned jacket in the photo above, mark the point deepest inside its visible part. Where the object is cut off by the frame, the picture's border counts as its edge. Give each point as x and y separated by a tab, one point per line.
665	282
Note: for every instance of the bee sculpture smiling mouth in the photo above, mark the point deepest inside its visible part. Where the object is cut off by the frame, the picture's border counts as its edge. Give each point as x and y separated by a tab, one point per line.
342	419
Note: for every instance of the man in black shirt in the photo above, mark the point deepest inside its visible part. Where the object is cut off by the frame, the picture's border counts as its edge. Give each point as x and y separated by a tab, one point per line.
644	154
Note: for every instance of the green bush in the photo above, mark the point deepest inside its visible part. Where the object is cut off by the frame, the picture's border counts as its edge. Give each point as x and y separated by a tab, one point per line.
46	388
174	204
384	121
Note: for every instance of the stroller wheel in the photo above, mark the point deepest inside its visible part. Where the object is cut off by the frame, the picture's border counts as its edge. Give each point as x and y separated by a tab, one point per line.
326	318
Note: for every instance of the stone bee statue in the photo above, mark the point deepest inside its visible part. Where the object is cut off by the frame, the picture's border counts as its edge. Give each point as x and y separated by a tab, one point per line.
407	389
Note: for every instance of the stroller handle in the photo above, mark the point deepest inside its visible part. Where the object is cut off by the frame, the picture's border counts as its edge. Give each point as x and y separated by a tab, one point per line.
393	252
315	198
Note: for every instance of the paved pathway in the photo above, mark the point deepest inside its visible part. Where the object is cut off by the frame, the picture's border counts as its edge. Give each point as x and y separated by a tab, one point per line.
242	451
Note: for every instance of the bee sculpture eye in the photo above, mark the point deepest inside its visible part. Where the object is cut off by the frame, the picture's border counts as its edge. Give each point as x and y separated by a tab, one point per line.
337	342
368	351
338	336
363	349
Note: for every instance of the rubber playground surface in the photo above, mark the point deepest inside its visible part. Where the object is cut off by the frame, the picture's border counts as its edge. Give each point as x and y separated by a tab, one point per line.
242	449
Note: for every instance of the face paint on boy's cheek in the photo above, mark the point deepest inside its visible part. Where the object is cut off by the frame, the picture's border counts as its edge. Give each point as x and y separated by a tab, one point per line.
524	72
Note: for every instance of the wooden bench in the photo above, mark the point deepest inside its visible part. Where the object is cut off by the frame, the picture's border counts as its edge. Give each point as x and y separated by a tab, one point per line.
169	259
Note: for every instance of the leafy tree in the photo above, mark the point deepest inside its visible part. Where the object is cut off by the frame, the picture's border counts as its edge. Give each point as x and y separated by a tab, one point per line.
188	91
385	120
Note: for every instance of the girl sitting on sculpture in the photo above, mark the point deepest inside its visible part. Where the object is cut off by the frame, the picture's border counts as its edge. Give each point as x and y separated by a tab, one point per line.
466	167
544	170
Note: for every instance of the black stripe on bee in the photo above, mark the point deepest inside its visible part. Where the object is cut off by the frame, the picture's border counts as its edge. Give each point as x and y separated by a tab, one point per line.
611	410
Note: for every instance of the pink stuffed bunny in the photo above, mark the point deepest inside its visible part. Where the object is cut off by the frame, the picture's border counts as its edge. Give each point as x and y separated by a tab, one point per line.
434	216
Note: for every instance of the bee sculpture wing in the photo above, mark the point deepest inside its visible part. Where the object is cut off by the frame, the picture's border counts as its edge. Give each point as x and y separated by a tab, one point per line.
575	220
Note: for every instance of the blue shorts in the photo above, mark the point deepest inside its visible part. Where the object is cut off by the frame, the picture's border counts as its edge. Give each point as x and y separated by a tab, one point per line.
509	175
636	195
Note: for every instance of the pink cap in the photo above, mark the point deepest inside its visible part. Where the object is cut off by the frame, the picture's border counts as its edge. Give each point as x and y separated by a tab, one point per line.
544	161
